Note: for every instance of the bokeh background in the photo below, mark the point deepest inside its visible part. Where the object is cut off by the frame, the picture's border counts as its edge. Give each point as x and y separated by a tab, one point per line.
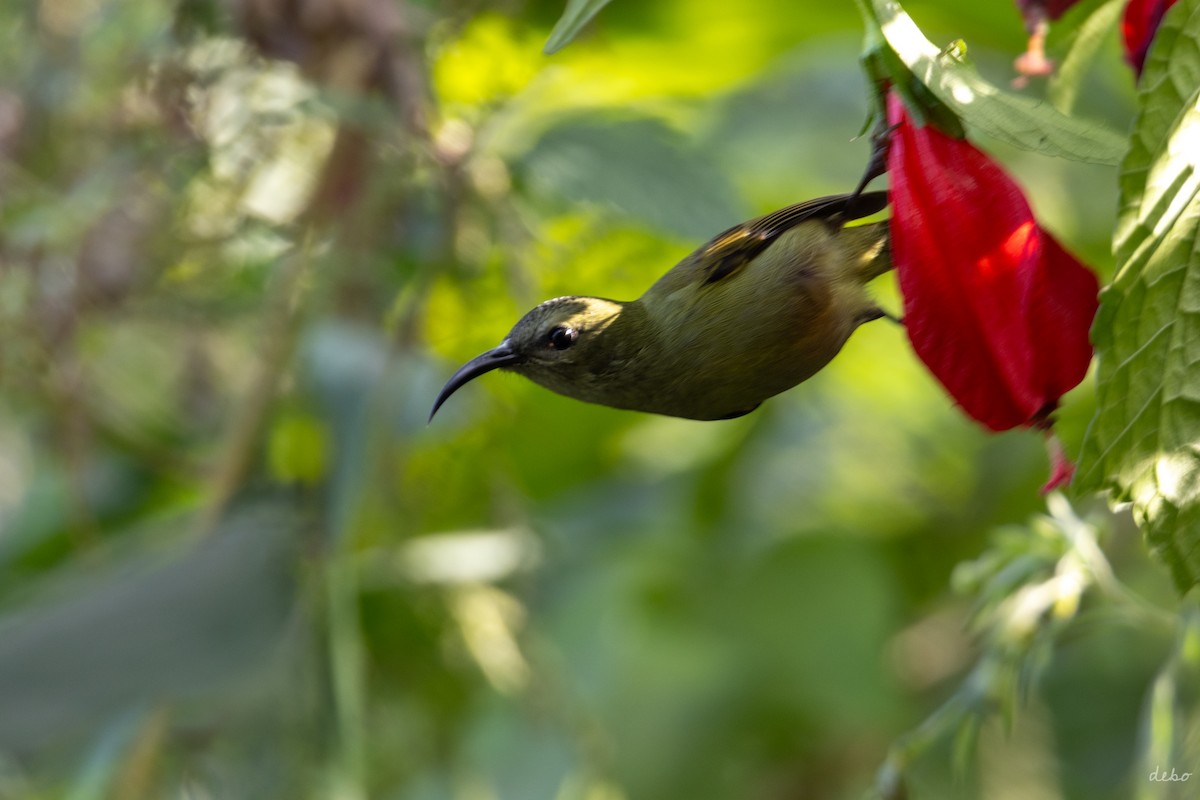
242	244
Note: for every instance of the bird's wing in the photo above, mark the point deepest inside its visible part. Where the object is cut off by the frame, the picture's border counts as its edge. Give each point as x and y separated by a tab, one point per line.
728	252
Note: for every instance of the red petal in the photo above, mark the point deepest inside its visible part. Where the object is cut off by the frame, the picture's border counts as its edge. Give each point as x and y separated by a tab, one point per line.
1061	468
996	309
1138	26
1065	297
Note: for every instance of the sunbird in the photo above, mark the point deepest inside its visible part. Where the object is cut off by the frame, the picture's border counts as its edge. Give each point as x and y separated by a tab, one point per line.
755	311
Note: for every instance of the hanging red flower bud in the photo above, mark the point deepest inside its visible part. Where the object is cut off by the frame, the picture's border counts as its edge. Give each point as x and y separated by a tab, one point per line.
1138	25
996	309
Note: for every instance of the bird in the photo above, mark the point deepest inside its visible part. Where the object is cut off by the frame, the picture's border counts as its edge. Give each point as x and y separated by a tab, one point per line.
753	312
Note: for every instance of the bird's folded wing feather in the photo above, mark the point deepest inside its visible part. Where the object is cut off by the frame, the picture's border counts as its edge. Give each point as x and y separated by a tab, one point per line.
728	252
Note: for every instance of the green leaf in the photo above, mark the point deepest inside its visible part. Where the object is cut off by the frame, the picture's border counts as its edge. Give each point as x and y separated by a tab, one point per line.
577	14
102	765
638	168
1171	711
298	449
1099	25
1144	442
1018	120
202	625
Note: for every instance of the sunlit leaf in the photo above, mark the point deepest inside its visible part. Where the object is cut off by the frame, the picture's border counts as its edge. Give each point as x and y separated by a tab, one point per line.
577	14
491	59
1142	445
1021	121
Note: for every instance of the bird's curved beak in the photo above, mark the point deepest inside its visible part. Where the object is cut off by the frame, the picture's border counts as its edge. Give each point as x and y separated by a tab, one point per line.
501	355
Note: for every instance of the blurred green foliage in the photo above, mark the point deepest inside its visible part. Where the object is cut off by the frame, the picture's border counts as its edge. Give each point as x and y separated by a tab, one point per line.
243	243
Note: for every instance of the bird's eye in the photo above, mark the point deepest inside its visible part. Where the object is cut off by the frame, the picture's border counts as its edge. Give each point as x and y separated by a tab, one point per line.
561	338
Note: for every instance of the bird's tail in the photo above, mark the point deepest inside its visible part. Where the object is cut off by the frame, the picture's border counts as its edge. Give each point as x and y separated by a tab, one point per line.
870	246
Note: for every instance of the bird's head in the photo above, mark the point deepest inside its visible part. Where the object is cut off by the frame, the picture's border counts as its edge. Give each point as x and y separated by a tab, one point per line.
560	344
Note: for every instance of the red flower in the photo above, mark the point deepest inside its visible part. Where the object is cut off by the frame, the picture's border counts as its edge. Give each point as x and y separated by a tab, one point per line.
1138	26
993	305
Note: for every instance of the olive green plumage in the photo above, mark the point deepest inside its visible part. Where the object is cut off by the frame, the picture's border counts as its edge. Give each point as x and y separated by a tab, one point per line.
752	313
